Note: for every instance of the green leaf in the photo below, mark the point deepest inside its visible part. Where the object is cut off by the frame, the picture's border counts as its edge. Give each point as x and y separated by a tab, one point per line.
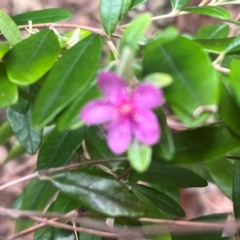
222	173
192	84
200	234
234	45
4	47
69	116
212	11
15	151
111	12
203	144
84	236
139	156
27	135
5	132
45	233
171	176
228	107
134	32
234	78
215	45
50	15
22	104
160	200
136	3
8	90
212	32
178	4
9	29
36	196
63	84
97	193
236	189
59	148
165	148
32	58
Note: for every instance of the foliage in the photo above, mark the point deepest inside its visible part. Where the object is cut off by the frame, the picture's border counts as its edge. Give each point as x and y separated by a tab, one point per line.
48	80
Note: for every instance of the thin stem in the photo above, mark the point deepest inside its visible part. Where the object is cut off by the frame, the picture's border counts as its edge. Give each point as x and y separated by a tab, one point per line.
50	171
26	95
124	173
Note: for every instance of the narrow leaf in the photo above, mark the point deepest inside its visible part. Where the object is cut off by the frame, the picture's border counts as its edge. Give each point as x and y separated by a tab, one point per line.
8	90
59	148
5	132
111	12
212	11
135	31
171	176
27	135
136	3
236	190
63	84
9	29
160	200
50	15
97	193
40	53
4	47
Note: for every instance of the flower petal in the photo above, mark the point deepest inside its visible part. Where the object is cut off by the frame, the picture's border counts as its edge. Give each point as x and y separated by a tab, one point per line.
146	128
112	86
119	135
97	112
147	96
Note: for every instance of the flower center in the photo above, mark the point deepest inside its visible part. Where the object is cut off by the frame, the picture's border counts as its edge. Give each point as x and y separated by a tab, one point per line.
125	108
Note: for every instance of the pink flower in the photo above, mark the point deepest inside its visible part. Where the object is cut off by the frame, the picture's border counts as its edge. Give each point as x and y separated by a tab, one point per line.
127	112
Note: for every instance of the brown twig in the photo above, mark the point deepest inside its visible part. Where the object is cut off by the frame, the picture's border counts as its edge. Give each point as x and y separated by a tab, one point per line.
51	171
124	173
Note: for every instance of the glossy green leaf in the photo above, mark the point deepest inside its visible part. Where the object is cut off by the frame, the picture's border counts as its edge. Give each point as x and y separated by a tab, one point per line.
234	78
236	189
212	11
215	45
111	12
171	176
5	132
27	135
160	200
222	173
71	114
9	29
97	193
228	107
36	196
192	84
136	3
45	233
200	234
135	31
64	84
40	50
8	90
178	4
4	47
59	148
203	144
139	156
50	15
212	32
165	148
